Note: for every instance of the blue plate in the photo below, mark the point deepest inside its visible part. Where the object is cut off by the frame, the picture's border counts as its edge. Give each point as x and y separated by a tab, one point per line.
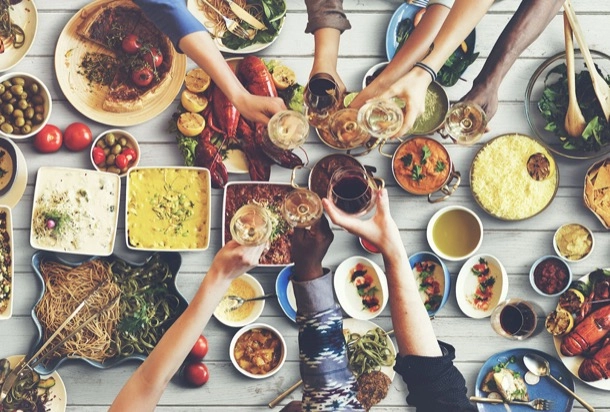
285	293
424	256
404	11
173	261
546	388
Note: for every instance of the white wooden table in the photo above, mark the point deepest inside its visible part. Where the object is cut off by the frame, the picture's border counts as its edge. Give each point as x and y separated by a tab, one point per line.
516	244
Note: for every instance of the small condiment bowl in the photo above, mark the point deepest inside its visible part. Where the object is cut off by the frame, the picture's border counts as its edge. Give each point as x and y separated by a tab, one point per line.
352	279
265	329
113	144
42	108
8	163
449	226
544	270
242	316
573	242
433	118
366	245
443	278
373	72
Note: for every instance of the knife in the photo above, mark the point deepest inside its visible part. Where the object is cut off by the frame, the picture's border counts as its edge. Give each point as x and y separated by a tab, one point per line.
245	16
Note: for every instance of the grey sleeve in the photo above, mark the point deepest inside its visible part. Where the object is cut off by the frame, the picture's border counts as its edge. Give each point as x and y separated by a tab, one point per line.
326	14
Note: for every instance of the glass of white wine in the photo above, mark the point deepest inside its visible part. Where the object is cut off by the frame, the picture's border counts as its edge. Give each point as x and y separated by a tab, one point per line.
345	129
251	225
301	207
465	123
286	130
381	118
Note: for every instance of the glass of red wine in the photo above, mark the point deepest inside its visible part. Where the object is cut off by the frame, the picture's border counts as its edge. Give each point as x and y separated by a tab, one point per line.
516	319
353	190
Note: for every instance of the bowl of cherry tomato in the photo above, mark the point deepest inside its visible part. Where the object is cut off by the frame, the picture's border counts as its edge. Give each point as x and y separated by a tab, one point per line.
115	151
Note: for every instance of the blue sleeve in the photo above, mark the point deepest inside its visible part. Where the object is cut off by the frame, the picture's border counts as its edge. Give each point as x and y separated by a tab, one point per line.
328	383
171	17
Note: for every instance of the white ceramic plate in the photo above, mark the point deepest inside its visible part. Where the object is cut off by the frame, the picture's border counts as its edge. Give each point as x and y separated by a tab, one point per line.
361	326
347	291
13	196
25	16
467	283
88	201
195	9
57	394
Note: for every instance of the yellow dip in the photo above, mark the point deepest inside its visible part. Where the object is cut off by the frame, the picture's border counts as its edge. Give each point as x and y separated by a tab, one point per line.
239	287
168	208
573	241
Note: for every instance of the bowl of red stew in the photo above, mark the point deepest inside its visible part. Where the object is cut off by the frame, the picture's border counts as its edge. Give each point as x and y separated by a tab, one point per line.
550	276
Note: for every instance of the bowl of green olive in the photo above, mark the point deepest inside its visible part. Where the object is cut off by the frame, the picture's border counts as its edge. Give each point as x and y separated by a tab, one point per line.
115	151
25	105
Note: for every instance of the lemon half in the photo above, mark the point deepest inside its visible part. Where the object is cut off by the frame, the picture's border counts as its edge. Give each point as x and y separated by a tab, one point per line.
190	124
283	77
197	80
559	322
193	102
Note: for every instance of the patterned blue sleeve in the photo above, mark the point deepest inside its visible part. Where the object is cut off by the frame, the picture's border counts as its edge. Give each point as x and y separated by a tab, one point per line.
328	384
171	17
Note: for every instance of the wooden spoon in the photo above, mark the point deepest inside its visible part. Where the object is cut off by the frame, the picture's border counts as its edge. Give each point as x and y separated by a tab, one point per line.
575	122
602	90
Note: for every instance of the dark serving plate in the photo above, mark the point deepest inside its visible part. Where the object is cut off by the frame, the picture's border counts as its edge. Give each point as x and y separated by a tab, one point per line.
173	260
9	147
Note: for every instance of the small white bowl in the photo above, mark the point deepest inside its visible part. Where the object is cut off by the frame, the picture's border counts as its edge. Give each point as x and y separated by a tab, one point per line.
102	141
565	238
228	318
8	223
557	261
373	72
46	104
468	282
468	221
267	329
347	284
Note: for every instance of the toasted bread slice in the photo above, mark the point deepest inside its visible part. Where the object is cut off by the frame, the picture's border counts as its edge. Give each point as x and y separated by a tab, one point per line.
511	385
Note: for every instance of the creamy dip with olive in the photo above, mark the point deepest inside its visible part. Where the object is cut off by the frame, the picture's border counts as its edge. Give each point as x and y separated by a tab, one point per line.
6	168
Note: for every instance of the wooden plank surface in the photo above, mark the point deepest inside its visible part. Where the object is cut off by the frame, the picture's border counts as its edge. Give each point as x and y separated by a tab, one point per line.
516	244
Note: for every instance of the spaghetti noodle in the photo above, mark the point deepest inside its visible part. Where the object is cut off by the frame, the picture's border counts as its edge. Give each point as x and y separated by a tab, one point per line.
8	29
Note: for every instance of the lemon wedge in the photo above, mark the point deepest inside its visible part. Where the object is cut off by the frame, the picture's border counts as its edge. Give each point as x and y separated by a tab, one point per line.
193	102
190	124
197	80
283	77
559	322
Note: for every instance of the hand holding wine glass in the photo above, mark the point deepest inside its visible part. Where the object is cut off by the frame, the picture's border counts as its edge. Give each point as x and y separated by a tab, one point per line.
251	225
353	190
321	98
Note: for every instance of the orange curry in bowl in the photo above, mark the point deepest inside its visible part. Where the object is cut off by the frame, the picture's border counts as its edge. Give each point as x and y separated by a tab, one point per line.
422	166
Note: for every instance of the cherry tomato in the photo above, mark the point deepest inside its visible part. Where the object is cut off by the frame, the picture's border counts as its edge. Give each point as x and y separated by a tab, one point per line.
77	137
98	155
142	77
153	57
130	154
48	139
195	374
131	44
121	161
200	349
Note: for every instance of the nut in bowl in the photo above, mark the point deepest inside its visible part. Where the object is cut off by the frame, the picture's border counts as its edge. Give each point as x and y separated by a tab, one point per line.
258	350
361	287
246	287
25	105
573	242
550	276
433	279
455	233
115	151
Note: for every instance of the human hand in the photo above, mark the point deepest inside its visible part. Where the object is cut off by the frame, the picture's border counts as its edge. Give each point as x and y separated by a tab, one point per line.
330	70
259	109
309	246
233	259
486	96
380	229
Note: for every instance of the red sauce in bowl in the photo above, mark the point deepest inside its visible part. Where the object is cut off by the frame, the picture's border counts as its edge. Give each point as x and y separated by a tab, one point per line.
551	276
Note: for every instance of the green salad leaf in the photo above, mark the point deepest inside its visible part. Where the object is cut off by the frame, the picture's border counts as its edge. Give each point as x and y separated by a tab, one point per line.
273	12
553	106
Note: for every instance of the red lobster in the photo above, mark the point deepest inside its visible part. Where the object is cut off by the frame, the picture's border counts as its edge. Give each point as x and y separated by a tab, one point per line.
587	333
597	367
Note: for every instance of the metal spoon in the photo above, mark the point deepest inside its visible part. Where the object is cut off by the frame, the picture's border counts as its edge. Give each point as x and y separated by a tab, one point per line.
540	366
238	301
575	122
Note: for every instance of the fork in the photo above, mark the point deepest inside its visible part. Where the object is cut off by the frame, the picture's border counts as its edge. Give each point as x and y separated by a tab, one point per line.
418	3
238	301
231	24
537	404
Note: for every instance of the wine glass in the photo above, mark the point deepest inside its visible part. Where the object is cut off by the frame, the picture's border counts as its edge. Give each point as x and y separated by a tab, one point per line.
381	118
251	225
353	190
286	130
321	98
465	123
302	208
344	127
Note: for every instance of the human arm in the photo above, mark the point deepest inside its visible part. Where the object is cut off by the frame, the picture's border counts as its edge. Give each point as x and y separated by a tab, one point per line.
412	87
145	387
414	49
524	27
190	37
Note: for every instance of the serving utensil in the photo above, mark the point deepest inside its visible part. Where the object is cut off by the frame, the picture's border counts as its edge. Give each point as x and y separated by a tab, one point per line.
245	16
537	404
231	24
575	122
238	301
540	366
602	90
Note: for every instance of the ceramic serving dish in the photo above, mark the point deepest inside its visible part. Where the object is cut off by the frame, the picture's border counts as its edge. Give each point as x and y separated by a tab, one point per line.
433	278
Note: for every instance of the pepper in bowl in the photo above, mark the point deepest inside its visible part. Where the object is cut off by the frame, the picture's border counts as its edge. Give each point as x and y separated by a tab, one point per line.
550	276
115	151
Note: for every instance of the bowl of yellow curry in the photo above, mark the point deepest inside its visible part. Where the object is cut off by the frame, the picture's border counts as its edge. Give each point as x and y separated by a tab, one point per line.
168	209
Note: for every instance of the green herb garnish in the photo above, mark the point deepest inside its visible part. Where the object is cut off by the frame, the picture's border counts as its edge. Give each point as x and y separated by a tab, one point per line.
417	174
440	166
